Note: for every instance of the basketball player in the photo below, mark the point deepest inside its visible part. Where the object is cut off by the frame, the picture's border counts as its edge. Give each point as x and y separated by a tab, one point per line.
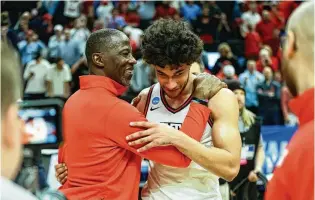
166	46
294	176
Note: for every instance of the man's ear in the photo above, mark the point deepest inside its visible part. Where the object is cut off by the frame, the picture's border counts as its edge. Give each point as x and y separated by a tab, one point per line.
98	59
290	47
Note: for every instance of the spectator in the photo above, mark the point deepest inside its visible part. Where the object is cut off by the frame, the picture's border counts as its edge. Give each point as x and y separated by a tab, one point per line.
204	26
252	44
69	49
269	99
29	47
190	11
89	12
98	24
104	11
214	10
132	18
116	21
223	33
229	74
267	60
47	29
72	10
278	77
164	10
35	76
123	7
58	80
289	118
146	11
250	79
252	160
276	16
135	34
287	7
54	42
7	34
80	33
226	58
250	17
268	31
22	26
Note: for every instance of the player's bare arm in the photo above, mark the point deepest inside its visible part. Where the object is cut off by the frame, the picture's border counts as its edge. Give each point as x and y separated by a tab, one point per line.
223	159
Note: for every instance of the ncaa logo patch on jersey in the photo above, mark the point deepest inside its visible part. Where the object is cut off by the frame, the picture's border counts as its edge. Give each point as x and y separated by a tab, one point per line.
155	100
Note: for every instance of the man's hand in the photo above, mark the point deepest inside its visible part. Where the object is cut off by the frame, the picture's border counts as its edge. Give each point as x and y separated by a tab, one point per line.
155	135
252	177
61	172
206	86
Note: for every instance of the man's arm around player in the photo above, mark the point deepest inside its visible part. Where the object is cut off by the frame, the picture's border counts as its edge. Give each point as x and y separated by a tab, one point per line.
224	158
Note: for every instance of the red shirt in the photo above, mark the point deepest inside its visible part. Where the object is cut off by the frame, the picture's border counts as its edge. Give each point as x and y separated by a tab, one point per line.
252	44
274	64
294	177
286	8
265	30
101	164
164	12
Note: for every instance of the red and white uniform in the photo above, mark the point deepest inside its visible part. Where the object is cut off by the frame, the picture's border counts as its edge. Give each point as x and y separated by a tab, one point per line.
164	182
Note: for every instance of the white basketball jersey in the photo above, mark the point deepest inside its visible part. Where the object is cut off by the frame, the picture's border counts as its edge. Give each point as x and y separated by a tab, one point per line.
165	182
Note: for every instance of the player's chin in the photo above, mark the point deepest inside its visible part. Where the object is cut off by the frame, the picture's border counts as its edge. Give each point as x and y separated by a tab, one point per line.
172	94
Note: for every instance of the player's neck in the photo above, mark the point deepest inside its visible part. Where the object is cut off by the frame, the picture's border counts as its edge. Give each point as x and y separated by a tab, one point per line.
184	95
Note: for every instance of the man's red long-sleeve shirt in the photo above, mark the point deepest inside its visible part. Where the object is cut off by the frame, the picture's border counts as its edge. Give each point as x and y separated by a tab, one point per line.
294	177
101	165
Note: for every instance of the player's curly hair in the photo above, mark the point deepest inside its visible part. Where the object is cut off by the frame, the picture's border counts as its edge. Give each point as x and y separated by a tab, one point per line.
170	42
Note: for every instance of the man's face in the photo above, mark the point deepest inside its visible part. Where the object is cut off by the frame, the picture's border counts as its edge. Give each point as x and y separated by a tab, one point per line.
67	34
251	66
267	73
119	61
253	7
240	96
224	52
11	142
172	81
60	64
265	15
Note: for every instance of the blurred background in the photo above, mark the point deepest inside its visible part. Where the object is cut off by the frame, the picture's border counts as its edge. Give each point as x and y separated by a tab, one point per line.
242	41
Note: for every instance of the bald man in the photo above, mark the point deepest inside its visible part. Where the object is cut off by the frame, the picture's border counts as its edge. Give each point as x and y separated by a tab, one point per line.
294	175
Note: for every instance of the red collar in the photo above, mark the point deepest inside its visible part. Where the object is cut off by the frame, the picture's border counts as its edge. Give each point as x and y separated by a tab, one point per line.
303	106
93	81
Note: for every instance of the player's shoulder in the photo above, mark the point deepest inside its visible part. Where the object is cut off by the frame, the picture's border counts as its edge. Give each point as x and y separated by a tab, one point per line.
224	93
145	93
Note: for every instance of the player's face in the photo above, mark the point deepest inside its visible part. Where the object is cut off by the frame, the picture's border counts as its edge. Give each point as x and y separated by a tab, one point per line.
240	96
173	81
119	61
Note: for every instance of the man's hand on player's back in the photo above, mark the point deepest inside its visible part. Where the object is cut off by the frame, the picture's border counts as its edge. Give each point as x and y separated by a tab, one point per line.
207	85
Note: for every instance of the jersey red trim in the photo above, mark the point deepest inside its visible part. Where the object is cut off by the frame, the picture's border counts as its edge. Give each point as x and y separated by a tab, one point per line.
148	100
169	108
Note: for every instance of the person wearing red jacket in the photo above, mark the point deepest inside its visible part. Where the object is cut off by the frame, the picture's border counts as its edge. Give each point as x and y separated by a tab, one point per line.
252	43
294	176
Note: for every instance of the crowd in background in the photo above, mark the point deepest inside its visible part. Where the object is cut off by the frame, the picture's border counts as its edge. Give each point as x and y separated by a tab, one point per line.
50	38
